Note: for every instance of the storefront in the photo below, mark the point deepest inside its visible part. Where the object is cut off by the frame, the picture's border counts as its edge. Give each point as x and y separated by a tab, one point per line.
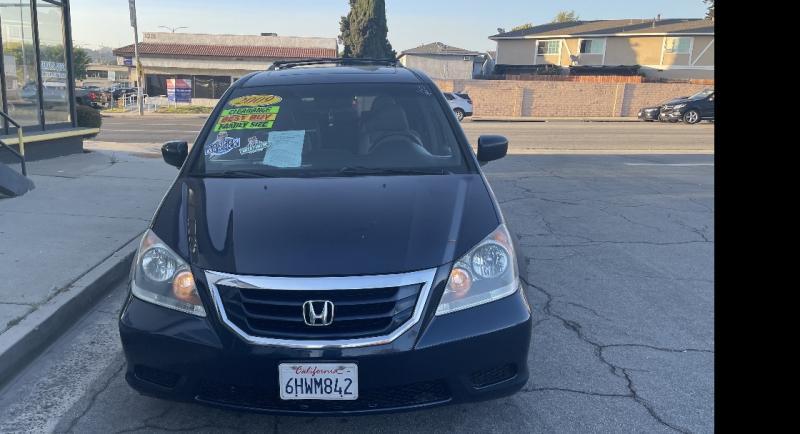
36	69
36	80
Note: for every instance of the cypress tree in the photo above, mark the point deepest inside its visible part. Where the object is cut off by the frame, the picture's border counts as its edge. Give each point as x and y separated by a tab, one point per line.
364	30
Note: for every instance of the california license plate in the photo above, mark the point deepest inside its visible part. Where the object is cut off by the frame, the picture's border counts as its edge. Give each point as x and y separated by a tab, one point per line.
325	381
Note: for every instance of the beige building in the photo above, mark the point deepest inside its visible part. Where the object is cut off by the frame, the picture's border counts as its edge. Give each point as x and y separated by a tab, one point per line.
101	75
214	62
442	61
669	48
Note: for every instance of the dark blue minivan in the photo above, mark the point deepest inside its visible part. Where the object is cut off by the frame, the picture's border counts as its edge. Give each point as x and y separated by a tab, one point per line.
329	246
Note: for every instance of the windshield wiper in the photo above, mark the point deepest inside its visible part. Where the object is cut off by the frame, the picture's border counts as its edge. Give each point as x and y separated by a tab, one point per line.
360	170
234	174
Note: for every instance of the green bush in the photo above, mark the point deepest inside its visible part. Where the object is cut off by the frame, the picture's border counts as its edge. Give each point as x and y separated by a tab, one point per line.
88	117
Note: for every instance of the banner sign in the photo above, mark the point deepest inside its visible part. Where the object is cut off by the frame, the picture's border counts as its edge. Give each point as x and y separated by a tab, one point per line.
179	90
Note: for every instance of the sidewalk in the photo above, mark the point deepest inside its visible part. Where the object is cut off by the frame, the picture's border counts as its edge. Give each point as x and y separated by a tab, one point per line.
67	238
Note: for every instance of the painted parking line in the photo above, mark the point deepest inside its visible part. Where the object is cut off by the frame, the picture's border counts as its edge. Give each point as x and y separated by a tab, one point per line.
670	164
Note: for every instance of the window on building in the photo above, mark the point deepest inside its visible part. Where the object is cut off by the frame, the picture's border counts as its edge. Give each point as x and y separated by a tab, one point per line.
19	62
678	45
593	46
548	47
122	75
94	73
53	62
207	86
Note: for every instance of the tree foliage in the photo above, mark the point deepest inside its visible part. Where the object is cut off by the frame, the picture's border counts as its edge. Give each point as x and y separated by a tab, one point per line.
80	58
709	9
522	27
364	31
566	17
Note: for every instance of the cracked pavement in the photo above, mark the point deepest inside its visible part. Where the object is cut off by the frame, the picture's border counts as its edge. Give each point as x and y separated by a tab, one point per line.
620	278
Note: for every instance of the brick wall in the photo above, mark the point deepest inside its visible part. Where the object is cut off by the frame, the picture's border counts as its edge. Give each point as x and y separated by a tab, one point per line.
509	98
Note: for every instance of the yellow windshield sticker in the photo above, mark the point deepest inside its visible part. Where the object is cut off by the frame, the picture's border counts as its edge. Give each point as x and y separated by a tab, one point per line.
255	101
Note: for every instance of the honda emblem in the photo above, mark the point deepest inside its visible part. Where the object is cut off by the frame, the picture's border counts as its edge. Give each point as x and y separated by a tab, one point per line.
318	313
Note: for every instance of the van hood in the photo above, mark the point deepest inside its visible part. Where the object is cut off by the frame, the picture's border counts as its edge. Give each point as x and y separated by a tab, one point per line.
326	226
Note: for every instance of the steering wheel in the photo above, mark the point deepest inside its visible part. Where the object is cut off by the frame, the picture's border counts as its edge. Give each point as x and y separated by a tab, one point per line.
406	136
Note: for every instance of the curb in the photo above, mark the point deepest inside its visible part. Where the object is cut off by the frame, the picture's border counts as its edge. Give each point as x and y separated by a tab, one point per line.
24	341
554	119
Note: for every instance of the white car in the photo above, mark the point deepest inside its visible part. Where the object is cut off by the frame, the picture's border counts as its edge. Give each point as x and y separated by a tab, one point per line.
461	105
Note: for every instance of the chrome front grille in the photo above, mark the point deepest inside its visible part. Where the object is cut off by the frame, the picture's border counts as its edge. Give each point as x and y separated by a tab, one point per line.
358	313
368	310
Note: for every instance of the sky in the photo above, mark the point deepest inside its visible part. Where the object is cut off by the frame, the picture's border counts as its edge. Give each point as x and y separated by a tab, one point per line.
464	23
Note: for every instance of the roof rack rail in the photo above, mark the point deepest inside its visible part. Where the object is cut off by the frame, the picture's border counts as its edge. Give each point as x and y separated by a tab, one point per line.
285	64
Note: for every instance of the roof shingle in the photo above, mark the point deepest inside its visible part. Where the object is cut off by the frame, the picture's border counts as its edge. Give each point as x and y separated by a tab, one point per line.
441	49
160	49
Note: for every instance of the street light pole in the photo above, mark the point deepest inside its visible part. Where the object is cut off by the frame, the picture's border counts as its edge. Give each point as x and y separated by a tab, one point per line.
139	75
173	29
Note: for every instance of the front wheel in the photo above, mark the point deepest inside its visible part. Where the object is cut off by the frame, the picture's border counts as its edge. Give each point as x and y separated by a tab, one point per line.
459	114
691	117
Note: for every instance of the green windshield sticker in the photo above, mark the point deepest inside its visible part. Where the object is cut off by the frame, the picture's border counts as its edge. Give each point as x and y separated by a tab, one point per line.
252	118
251	111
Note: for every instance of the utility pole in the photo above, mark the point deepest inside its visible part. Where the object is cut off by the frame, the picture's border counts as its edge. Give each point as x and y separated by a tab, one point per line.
139	72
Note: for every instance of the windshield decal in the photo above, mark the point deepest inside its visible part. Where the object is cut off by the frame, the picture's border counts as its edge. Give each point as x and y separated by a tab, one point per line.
285	148
222	145
254	146
249	122
255	101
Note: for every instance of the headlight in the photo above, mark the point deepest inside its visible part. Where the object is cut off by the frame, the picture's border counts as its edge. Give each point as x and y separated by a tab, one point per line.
679	106
162	277
486	273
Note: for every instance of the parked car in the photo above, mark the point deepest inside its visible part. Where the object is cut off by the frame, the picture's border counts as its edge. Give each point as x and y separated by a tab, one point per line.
464	95
93	98
121	92
650	114
53	93
330	246
461	106
697	107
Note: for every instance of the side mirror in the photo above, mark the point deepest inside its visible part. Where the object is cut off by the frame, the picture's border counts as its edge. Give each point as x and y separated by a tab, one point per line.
175	153
491	148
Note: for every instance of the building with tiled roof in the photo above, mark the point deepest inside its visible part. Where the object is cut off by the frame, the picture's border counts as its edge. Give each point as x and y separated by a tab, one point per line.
442	61
213	62
660	48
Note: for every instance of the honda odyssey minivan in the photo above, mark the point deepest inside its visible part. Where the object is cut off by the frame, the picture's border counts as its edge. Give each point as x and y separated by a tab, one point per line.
329	246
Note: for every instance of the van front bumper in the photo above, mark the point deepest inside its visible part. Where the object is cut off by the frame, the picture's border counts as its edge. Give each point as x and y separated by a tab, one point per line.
475	354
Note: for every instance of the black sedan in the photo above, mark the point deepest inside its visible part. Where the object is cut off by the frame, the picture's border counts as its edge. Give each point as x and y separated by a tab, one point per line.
692	110
650	114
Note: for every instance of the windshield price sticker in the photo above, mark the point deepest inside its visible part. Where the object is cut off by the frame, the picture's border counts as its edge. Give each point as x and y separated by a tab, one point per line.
251	111
248	122
250	118
255	101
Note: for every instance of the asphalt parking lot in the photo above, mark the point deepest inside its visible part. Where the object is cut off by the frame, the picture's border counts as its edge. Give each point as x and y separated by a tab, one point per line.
620	253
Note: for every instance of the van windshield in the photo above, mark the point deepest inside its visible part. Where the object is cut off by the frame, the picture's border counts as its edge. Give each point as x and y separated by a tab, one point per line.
331	130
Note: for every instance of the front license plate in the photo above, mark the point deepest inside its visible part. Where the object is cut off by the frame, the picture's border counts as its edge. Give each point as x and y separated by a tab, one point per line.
325	381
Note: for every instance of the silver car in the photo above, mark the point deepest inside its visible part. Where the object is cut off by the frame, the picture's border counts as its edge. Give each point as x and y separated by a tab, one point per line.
461	106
